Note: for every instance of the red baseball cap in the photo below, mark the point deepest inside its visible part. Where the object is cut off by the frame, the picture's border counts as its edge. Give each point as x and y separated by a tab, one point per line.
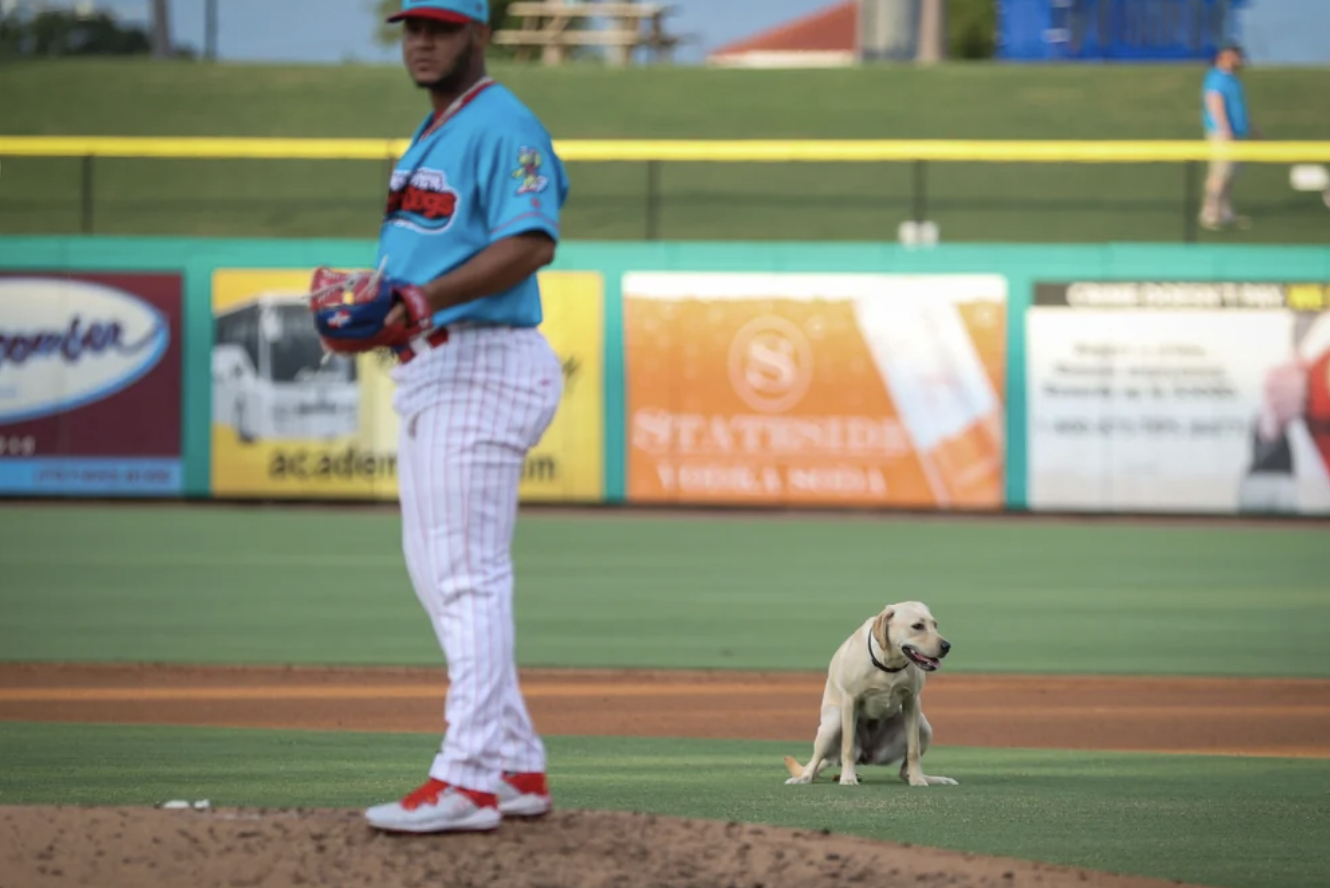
455	11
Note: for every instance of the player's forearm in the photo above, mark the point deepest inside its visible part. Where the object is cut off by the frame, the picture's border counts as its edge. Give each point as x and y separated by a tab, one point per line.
499	267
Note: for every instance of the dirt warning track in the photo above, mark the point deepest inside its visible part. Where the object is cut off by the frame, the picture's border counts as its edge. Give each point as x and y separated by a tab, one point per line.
1274	717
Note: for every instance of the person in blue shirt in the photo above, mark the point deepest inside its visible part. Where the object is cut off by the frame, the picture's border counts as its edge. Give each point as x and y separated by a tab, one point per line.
472	214
1225	118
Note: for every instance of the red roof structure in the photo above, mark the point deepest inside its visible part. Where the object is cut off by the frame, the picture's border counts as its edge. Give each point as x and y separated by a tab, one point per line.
826	37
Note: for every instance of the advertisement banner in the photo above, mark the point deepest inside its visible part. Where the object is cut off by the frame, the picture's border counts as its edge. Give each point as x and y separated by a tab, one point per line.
827	389
568	465
90	383
1179	396
286	423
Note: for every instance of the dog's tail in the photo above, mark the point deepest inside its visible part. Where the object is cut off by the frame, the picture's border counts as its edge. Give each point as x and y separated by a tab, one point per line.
796	769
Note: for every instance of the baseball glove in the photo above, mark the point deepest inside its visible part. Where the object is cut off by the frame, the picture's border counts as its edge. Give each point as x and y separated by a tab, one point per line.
351	310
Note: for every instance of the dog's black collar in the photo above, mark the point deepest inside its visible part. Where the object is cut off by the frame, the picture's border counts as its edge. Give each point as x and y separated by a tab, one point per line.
875	660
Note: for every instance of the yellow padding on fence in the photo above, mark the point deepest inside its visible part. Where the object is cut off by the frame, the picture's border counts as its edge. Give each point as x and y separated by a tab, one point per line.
705	151
200	147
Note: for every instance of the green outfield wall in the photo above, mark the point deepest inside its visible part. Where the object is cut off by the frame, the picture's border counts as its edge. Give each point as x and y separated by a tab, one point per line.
1082	378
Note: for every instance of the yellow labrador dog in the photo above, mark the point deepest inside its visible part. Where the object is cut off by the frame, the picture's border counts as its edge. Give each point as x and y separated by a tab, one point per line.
871	714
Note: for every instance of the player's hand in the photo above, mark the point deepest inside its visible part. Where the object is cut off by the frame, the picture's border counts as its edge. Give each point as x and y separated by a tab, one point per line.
411	310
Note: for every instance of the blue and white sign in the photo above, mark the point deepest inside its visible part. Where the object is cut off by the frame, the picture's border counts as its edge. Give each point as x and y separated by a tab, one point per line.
91	383
66	343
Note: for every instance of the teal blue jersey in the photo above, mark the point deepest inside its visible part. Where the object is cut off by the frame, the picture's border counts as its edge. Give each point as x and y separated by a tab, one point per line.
1235	102
487	173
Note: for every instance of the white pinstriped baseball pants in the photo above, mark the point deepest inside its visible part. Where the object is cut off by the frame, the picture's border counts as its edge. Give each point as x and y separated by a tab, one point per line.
470	410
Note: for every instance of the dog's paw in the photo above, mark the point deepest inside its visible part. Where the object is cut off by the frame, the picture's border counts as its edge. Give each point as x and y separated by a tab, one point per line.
929	780
798	781
849	780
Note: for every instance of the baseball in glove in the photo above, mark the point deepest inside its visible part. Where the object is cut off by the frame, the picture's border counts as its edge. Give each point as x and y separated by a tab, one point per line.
351	310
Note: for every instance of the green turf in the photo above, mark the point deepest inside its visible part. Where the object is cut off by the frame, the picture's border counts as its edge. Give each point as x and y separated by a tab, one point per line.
1232	822
699	201
218	584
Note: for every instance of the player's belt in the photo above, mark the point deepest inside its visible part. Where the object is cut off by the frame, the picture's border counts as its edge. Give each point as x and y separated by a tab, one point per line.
421	344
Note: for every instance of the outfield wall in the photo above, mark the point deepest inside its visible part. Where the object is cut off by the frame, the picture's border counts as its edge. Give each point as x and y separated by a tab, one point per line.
1069	378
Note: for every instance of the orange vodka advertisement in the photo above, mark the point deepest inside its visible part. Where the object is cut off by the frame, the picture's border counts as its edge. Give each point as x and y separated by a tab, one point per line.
815	389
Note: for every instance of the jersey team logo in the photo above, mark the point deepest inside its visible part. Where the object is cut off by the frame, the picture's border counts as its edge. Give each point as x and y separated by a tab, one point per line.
422	201
528	170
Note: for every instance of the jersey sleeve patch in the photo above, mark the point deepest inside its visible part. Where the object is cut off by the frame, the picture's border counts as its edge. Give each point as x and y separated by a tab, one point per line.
528	172
524	182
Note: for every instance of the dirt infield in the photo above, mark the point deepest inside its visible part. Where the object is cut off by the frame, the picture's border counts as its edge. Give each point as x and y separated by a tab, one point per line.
132	848
147	848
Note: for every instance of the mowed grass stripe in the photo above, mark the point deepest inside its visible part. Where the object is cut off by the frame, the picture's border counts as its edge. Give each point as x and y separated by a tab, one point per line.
718	592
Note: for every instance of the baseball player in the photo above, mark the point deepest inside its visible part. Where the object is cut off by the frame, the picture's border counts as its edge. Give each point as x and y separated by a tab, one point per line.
472	214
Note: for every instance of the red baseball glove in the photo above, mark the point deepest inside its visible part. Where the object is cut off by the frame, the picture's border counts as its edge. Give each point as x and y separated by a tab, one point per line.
351	310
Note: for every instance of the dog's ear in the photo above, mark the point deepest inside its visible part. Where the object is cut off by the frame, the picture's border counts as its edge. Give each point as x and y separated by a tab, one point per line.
880	628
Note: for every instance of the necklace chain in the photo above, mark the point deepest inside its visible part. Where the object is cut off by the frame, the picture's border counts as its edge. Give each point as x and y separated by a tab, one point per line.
457	105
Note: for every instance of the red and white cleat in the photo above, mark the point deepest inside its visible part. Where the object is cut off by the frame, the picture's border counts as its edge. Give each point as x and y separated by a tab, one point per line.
524	795
438	807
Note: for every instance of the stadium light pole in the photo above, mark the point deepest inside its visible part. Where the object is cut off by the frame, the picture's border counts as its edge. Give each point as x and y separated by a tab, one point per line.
210	30
932	46
161	29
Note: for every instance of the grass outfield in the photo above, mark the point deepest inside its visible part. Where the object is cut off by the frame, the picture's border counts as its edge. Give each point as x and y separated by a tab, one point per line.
1232	822
1010	202
216	584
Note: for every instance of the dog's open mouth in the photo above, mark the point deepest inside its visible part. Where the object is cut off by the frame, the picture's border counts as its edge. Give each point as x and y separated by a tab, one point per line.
928	664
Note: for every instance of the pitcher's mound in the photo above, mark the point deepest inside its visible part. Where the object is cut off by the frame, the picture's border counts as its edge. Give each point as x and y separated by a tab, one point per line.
153	848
